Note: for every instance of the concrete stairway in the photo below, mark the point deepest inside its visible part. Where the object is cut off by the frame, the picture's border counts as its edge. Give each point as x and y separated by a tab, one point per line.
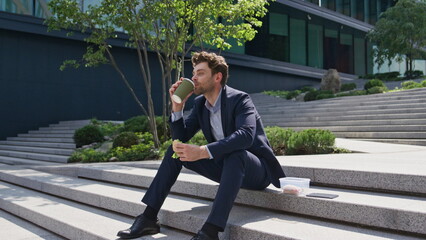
398	117
48	145
94	201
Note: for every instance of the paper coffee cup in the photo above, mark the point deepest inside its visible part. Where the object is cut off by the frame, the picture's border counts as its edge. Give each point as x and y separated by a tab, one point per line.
183	90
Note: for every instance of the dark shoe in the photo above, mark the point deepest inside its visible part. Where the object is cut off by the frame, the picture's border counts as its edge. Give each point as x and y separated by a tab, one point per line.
141	227
203	236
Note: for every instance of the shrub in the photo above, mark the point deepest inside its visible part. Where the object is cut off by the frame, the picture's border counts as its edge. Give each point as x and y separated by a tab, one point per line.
423	83
278	138
198	139
110	129
144	150
125	140
293	94
325	96
373	83
277	93
141	124
88	155
368	76
311	141
136	124
311	96
87	135
376	89
388	76
410	85
307	89
347	87
139	152
413	74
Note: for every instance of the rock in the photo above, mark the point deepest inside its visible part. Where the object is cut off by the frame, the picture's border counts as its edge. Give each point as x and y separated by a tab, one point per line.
105	147
331	81
113	159
301	97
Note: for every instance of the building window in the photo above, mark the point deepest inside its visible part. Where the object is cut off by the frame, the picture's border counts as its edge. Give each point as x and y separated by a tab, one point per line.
373	12
330	4
315	46
297	41
278	37
359	56
359	9
17	6
344	7
345	53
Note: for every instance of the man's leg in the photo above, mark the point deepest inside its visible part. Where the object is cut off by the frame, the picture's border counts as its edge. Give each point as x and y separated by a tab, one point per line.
163	181
239	169
147	223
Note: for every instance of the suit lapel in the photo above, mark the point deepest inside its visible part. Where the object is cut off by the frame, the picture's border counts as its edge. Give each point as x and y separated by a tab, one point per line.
223	111
206	126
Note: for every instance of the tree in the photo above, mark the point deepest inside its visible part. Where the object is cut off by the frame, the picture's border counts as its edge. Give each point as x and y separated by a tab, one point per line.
401	33
170	28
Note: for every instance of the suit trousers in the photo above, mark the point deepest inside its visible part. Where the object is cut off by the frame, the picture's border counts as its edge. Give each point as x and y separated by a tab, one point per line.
240	169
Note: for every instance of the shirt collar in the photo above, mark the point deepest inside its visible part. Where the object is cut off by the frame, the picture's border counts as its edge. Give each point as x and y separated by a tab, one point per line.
216	105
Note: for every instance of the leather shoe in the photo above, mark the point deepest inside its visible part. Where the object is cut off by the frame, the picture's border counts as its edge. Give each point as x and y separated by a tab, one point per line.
203	236
141	227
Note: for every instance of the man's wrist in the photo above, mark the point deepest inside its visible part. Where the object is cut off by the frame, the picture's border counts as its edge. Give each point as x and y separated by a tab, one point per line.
205	152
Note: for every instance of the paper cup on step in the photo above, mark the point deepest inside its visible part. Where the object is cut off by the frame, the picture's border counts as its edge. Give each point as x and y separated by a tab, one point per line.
183	90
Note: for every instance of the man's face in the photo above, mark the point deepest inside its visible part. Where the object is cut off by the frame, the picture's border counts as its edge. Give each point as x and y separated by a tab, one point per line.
203	78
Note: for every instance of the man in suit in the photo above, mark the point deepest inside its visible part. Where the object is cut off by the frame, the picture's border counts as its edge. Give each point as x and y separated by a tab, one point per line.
238	154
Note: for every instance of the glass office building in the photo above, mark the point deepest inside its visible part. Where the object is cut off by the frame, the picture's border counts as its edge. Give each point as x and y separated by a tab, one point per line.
321	34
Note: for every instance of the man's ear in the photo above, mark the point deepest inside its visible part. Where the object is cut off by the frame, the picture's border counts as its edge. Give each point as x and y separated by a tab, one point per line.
218	77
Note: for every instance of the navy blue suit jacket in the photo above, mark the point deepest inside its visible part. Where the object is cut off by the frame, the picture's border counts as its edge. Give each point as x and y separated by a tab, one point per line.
242	128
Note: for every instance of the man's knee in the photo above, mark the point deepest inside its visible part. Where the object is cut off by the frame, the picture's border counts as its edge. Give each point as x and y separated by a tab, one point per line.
237	157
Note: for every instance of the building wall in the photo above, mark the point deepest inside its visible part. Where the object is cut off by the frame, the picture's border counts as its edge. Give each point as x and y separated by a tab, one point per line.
35	93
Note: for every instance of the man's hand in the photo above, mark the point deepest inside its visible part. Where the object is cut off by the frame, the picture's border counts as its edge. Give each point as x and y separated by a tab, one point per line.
190	152
177	107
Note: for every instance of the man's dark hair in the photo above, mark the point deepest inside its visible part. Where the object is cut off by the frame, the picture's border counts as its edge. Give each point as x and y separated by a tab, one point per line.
216	63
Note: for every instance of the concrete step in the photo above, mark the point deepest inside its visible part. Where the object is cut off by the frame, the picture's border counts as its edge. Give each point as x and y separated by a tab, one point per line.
274	120
376	99
385	122
75	122
380	128
49	131
46	135
392	172
340	106
35	156
392	96
343	110
379	135
189	214
34	139
349	207
39	144
56	151
67	218
59	128
21	161
19	229
419	142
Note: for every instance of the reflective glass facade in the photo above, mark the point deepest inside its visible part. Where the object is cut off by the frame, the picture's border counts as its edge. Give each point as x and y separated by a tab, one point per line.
294	36
37	8
364	10
288	34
